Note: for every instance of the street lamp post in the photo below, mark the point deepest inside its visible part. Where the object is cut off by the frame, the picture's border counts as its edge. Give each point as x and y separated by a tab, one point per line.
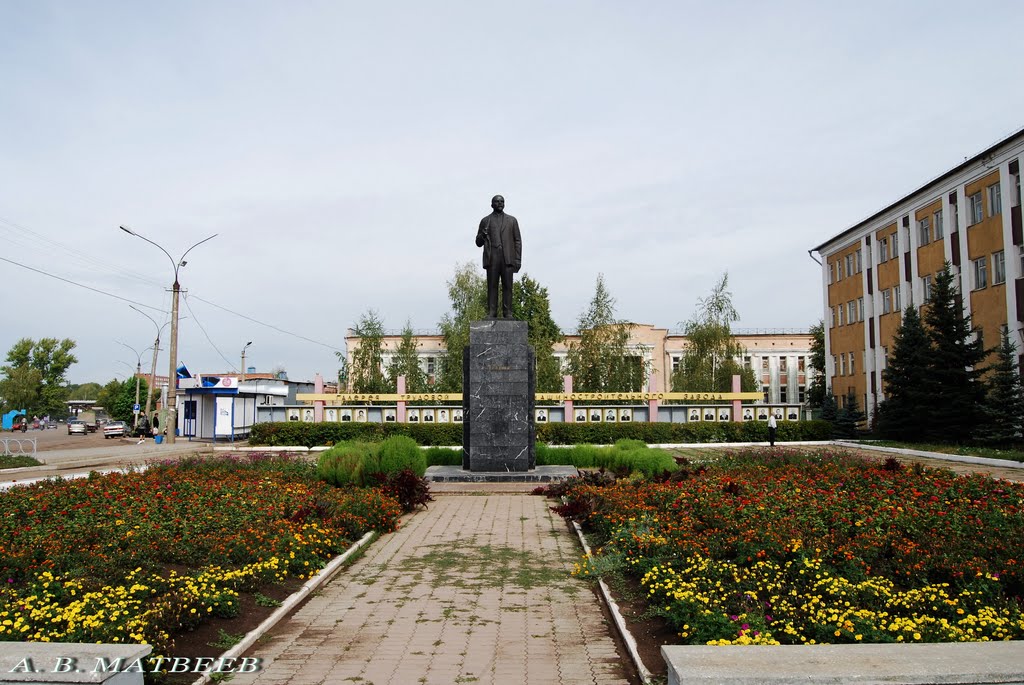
172	376
138	373
156	353
243	360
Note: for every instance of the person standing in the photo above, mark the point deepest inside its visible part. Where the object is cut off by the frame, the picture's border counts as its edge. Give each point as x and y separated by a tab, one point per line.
772	426
503	255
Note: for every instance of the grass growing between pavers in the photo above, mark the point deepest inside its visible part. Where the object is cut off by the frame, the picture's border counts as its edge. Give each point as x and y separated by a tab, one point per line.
464	564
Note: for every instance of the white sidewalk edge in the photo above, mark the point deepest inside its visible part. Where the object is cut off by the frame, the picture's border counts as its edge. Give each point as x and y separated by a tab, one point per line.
982	461
310	586
620	623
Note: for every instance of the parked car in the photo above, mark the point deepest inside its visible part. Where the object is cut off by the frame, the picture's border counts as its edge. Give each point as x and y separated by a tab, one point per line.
76	426
115	429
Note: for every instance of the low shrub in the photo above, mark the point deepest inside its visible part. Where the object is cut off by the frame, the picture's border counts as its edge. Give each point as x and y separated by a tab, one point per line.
400	452
409	489
624	458
346	464
442	456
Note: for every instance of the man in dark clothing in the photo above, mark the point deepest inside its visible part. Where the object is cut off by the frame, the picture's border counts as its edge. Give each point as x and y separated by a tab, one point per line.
503	255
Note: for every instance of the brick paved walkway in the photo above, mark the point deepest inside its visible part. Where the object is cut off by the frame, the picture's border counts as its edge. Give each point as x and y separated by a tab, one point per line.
474	589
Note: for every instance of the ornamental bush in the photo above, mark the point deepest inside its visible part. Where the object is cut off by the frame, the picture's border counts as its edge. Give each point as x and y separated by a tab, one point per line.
400	452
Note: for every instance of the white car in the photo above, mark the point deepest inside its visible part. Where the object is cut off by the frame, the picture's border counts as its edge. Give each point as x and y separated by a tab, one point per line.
76	426
114	429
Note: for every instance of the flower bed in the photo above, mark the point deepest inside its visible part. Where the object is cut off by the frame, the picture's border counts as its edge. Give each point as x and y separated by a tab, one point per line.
142	556
776	547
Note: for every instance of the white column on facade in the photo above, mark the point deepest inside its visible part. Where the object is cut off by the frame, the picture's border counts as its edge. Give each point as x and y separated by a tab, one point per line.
1011	260
916	286
963	275
830	369
870	284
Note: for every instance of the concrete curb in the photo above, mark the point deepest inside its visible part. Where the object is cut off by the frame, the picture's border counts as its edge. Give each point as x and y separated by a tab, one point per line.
982	461
620	623
296	598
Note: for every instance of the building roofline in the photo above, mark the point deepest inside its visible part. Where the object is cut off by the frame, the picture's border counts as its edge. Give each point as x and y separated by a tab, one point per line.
970	161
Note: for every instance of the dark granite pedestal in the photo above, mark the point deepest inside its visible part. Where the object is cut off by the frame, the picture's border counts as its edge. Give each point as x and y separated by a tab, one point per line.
498	389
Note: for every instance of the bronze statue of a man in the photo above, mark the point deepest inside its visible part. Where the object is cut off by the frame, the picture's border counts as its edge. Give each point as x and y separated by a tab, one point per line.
503	255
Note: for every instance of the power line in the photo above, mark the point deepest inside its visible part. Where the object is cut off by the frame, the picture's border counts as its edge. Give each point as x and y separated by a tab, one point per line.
80	285
196	319
76	252
261	323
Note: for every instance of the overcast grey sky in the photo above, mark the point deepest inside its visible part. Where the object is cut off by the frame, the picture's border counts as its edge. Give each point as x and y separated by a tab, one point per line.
344	153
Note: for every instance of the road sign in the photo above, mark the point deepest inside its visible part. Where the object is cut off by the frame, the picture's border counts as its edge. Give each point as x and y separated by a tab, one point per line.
136	408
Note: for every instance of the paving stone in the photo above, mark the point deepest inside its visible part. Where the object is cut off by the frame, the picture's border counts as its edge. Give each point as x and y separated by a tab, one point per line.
438	600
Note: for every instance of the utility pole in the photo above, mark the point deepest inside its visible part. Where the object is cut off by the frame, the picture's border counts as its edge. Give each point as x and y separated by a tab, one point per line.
172	376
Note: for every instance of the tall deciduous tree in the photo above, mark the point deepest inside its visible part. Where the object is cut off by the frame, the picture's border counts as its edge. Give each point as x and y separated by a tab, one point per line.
956	390
122	398
816	393
1004	404
906	381
530	303
366	373
51	358
601	360
20	389
467	292
406	362
711	356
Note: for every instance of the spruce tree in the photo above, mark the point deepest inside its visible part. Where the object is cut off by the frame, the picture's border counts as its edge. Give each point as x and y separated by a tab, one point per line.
904	411
1003	410
956	392
849	418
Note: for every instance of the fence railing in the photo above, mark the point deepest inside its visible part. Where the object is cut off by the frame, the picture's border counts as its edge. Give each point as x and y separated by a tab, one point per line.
14	447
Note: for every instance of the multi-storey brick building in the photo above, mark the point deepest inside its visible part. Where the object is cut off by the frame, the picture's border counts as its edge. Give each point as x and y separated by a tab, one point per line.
969	216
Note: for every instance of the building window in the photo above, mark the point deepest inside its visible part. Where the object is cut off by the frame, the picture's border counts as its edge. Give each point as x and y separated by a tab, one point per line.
852	370
886	301
924	231
858	263
896	243
927	283
883	250
783	394
676	361
831	317
977	213
842	364
860	308
980	273
839	269
995	200
840	310
940	230
849	265
431	365
764	364
783	364
801	392
831	273
800	364
885	358
851	312
897	303
998	268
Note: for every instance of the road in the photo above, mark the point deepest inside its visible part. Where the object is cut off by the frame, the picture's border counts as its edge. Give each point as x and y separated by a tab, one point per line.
64	454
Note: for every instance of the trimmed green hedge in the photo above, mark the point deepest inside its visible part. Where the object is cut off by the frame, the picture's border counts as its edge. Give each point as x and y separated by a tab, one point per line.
314	434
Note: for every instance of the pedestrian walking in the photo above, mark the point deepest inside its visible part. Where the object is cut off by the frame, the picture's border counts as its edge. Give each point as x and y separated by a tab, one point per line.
772	425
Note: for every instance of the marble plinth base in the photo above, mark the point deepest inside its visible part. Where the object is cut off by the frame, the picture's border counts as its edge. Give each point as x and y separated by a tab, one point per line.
541	474
498	389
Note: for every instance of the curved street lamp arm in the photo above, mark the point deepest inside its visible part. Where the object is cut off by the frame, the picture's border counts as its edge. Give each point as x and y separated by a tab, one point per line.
186	253
139	235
